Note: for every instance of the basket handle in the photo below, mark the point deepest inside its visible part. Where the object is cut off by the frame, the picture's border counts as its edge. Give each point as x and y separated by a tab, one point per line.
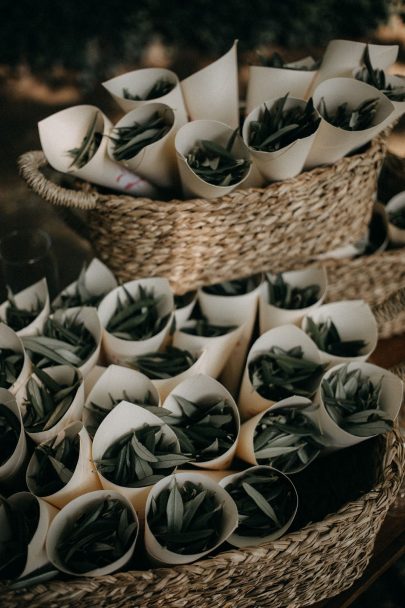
30	165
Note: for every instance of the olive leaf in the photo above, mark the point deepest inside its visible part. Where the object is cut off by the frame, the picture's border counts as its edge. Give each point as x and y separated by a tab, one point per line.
275	60
283	295
97	537
327	338
160	87
278	373
21	524
203	328
351	119
56	461
11	364
162	365
10	429
236	287
129	141
186	519
89	146
17	318
377	78
397	218
81	295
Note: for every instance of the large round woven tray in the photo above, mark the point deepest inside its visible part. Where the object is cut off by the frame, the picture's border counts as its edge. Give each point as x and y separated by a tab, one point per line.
197	241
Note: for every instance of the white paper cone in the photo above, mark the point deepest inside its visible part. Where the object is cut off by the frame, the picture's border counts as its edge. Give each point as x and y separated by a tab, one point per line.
254	541
118	350
156	162
122	419
168	384
27	299
390	403
354	320
10	340
115	381
98	280
66	129
286	337
12	466
396	81
332	143
286	162
161	556
213	91
140	82
208	473
271	316
91	378
183	314
204	389
396	235
187	137
71	513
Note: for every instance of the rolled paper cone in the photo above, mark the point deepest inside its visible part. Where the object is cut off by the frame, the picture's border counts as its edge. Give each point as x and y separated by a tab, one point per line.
63	374
183	314
70	514
396	235
91	378
117	350
390	403
10	340
114	382
286	337
212	92
394	81
140	82
353	320
27	299
289	160
11	467
65	131
156	162
254	179
270	83
209	473
272	316
159	555
187	137
122	419
84	478
165	385
241	542
332	143
202	388
98	280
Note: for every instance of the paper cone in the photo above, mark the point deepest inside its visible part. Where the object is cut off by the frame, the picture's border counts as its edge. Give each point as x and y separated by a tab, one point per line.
27	299
12	466
91	379
202	388
208	473
98	280
271	316
114	381
140	82
213	91
396	235
155	162
354	320
122	419
390	401
332	143
160	556
286	162
118	350
396	81
10	340
187	137
286	337
66	129
166	385
183	314
254	541
71	513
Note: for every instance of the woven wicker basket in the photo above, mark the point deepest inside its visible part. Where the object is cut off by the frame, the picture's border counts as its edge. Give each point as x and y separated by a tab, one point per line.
196	242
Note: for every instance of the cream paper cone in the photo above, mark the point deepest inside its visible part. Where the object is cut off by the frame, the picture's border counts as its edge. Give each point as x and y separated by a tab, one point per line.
286	337
390	402
12	466
183	314
66	129
187	137
155	162
286	162
91	378
271	316
202	388
70	514
354	320
396	235
98	280
10	340
166	385
122	419
213	91
84	478
159	555
234	310
209	473
118	350
332	143
140	82
114	381
241	542
27	299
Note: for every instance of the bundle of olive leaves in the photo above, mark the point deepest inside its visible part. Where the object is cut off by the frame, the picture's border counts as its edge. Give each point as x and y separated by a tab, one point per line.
377	78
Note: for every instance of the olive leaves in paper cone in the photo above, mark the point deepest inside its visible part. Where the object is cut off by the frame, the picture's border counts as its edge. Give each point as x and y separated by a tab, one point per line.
15	365
94	282
26	312
12	437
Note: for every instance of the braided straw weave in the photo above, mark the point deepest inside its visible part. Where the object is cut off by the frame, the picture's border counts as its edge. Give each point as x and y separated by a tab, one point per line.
196	242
